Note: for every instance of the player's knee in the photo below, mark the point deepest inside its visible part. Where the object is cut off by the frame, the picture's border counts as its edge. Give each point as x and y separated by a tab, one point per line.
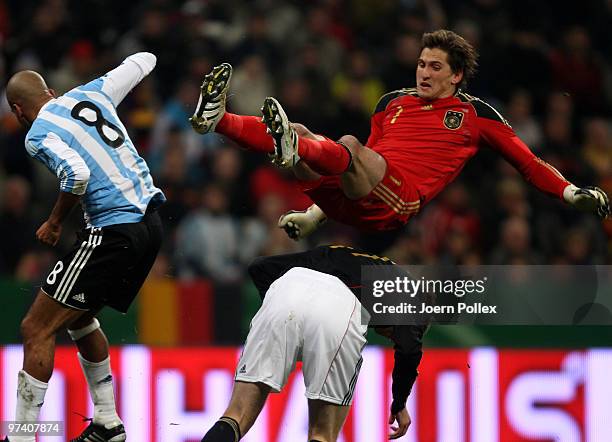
302	130
27	328
351	143
32	330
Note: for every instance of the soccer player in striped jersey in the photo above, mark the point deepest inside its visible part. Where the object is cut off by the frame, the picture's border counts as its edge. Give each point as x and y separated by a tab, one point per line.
79	137
420	139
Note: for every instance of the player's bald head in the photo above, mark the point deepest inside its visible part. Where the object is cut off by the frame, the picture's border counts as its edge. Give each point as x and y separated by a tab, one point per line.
26	93
26	88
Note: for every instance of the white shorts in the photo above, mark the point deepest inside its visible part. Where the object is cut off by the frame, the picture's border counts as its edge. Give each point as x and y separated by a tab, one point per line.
312	317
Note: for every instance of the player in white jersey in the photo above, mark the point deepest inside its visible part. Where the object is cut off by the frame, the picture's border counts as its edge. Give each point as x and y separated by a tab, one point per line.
80	138
311	312
306	316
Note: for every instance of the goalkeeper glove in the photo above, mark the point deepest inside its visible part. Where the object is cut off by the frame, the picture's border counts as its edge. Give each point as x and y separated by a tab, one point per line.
300	224
589	199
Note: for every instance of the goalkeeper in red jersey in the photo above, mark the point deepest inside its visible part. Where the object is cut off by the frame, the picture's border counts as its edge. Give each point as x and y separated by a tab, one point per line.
420	140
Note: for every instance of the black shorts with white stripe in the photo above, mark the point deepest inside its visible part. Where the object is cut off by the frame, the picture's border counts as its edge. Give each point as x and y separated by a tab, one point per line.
106	266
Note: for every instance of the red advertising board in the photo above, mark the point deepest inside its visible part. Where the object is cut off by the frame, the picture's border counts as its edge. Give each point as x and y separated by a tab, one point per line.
476	395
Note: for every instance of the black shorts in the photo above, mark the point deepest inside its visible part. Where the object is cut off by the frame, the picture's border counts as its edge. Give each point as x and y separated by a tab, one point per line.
106	266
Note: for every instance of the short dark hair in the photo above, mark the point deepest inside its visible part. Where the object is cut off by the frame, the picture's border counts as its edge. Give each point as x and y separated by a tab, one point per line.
462	57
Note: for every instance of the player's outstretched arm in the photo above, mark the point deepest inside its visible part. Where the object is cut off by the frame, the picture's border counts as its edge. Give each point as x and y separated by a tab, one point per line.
300	224
589	199
499	135
121	80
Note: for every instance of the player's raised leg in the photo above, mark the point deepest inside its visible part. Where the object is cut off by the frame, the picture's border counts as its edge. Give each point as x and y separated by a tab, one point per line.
366	171
322	155
361	168
95	362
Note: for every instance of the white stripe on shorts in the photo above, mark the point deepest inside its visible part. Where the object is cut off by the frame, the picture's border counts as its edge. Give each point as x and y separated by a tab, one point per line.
77	264
96	242
83	249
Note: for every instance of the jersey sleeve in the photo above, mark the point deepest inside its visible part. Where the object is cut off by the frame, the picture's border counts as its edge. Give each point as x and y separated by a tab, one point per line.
408	352
116	84
497	133
63	161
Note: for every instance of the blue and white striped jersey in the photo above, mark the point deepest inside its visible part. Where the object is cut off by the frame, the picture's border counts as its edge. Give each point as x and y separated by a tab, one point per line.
80	138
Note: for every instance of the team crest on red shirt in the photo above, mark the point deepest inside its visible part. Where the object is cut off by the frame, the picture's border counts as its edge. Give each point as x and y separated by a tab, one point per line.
453	119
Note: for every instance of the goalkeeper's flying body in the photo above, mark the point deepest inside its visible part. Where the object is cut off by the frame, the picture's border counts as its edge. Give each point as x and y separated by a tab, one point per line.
420	140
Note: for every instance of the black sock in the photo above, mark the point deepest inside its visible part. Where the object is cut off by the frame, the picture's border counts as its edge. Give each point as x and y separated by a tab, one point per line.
225	429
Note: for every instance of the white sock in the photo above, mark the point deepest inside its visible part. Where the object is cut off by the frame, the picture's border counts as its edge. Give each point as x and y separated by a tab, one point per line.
30	397
100	381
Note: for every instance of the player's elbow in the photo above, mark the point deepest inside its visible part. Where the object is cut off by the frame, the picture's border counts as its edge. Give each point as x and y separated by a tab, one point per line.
350	141
146	61
150	57
81	180
83	174
74	177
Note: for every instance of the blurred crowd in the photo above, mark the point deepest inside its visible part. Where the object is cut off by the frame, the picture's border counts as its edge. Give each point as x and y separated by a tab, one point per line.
545	68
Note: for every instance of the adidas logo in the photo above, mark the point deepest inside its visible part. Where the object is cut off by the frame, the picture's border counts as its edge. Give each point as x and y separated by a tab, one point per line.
106	380
80	297
242	369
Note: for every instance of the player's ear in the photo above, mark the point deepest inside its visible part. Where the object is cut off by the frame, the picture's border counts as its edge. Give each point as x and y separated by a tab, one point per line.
456	78
52	93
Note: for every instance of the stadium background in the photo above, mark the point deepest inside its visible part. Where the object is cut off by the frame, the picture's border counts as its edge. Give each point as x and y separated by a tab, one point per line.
547	68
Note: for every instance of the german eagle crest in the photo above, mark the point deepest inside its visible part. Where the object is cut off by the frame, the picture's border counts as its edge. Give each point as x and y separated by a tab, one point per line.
453	119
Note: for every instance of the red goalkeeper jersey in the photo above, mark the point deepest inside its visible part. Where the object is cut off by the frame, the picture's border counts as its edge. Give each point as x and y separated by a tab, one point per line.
431	141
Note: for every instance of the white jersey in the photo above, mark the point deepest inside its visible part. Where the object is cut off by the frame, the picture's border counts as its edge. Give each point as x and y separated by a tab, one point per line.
80	138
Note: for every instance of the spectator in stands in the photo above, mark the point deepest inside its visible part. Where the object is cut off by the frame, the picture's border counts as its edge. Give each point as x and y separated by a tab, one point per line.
16	220
207	241
515	244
